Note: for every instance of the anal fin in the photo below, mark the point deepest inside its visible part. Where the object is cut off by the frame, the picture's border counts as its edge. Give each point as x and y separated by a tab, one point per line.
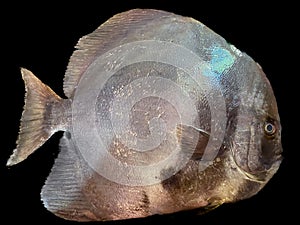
62	192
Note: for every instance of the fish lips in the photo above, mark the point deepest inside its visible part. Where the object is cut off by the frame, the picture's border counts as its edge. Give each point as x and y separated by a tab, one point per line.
263	171
259	159
263	176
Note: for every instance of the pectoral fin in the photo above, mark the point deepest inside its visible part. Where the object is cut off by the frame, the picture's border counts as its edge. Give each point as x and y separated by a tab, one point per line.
193	140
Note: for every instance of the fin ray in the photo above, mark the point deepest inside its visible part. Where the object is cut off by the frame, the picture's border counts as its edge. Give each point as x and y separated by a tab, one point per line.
35	128
116	28
62	192
193	140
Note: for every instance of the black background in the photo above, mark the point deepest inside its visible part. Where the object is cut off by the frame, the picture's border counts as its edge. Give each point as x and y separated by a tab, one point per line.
41	37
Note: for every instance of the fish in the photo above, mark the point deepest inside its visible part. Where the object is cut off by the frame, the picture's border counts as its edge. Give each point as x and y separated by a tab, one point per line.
161	115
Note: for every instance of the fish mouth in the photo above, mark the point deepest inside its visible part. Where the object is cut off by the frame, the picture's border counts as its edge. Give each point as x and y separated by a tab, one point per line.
261	176
255	157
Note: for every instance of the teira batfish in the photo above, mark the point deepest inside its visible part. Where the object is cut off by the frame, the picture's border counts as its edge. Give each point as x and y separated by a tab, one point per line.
161	115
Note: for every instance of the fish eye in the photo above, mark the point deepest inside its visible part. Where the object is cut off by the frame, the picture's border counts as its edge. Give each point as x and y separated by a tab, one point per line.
270	128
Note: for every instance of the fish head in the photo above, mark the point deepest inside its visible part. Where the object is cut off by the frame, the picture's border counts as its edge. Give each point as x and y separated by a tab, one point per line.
256	144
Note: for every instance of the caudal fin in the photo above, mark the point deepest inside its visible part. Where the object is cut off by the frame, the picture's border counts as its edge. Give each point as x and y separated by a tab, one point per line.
36	122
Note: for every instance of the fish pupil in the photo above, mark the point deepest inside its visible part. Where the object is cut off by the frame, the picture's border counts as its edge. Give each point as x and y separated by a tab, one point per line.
270	129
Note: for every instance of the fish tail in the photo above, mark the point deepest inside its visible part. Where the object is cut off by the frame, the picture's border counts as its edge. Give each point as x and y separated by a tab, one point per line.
37	121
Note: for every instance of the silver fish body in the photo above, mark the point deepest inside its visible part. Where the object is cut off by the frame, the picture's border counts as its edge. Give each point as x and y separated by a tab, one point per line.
162	115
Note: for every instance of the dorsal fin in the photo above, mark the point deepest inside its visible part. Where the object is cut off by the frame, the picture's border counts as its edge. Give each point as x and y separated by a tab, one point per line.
121	28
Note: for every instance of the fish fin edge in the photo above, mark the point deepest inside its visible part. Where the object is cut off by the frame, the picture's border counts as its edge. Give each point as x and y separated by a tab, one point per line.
193	140
99	41
62	193
36	123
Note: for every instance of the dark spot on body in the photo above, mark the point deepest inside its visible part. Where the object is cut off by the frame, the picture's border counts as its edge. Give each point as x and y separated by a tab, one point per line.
68	135
145	200
171	183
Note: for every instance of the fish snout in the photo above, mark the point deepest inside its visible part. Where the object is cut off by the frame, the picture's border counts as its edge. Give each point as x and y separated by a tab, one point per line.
256	155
